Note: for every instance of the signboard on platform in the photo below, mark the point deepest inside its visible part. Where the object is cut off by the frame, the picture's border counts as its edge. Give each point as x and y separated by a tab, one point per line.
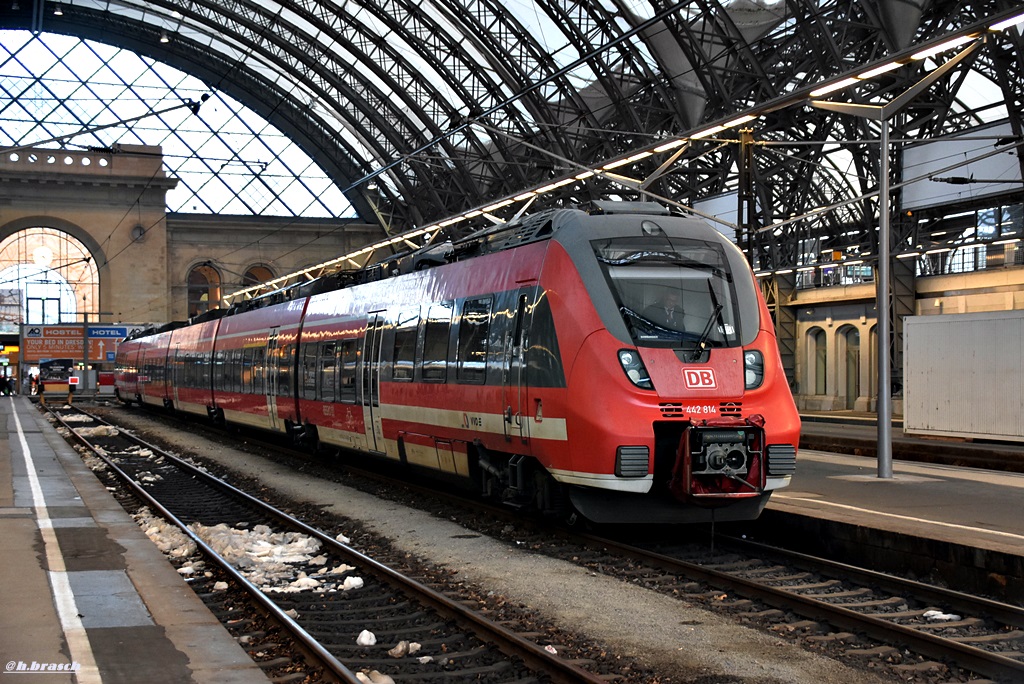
53	370
99	342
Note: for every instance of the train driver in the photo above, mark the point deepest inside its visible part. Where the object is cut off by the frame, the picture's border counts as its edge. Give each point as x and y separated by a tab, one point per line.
667	311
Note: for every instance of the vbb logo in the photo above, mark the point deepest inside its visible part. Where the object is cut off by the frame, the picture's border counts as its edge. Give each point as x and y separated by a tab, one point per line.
703	378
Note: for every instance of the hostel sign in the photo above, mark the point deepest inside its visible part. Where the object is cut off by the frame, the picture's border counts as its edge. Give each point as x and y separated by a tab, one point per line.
40	342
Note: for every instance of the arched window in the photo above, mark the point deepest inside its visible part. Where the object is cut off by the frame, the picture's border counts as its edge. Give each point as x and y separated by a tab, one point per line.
47	276
819	359
254	275
203	290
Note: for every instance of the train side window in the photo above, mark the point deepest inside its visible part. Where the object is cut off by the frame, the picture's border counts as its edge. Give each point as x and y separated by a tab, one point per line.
405	345
309	372
236	370
328	371
219	371
247	370
473	329
258	370
285	364
435	342
205	371
178	376
347	374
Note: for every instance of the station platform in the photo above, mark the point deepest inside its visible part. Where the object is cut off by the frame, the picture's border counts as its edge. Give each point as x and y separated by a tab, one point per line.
852	432
86	597
941	517
970	506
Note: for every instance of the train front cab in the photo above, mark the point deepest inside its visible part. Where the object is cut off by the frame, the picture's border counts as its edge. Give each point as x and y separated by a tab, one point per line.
126	371
695	413
154	383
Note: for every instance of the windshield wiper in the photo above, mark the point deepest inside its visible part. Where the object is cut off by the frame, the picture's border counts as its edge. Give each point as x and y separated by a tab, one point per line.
716	314
698	351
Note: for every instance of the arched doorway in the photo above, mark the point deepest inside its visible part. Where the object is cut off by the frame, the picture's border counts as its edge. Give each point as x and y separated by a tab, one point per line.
203	289
818	366
851	365
47	277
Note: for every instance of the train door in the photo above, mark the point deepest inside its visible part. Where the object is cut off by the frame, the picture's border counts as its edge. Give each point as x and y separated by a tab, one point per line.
370	381
514	390
273	360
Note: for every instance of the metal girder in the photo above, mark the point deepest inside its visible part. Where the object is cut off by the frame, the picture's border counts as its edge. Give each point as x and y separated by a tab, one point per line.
387	88
308	130
904	303
778	291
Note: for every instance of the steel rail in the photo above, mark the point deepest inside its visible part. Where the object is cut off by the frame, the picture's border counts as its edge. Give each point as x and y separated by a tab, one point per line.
978	660
306	640
557	669
1005	613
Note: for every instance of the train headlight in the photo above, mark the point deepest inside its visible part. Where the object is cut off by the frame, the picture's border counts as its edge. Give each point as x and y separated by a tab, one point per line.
635	369
753	369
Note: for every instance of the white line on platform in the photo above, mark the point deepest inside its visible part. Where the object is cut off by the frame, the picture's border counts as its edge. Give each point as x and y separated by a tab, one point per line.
79	647
923	521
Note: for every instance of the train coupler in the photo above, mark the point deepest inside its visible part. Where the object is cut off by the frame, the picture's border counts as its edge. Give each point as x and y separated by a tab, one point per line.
720	459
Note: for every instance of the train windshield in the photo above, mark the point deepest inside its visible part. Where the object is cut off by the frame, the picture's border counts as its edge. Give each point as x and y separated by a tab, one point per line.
672	292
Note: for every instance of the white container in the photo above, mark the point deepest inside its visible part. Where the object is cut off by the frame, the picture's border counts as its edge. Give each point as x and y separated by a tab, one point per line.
963	375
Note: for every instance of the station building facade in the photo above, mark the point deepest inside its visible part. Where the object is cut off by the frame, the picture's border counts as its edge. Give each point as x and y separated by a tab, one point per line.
95	227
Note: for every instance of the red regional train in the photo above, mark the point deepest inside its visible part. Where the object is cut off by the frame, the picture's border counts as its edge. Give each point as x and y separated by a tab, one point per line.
619	363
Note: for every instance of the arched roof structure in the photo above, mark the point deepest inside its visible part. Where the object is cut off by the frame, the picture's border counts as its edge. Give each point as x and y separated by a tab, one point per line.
421	110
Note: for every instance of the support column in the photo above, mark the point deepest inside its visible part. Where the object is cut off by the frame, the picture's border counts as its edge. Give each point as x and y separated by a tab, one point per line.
778	291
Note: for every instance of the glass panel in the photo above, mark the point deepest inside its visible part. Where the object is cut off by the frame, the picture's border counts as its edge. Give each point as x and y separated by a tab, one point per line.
435	342
347	377
473	329
672	292
405	345
328	371
309	372
57	85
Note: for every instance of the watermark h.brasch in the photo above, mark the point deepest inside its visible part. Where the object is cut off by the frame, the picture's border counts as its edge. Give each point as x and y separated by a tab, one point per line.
21	667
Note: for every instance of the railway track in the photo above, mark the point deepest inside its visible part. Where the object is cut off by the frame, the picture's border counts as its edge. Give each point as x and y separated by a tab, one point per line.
916	630
854	611
355	619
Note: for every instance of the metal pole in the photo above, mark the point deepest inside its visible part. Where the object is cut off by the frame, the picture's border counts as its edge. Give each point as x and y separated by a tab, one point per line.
882	289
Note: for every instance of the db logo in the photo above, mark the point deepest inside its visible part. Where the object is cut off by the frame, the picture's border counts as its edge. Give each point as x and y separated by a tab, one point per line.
699	378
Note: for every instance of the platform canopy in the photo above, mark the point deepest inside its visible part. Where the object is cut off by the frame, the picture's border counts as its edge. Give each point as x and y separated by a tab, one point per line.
423	110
